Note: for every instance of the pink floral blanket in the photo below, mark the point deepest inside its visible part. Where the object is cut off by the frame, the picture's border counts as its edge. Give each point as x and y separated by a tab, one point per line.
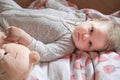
81	66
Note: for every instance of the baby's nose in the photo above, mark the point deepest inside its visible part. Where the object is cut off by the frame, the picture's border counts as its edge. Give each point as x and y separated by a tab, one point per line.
85	36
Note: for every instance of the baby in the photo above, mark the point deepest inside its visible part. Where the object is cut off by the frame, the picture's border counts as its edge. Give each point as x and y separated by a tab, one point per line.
85	36
49	32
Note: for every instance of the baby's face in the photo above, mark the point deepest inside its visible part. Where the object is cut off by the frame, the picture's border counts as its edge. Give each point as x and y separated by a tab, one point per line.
2	38
90	36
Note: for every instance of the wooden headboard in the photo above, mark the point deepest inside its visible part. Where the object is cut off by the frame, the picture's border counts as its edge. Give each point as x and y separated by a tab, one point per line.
24	3
104	6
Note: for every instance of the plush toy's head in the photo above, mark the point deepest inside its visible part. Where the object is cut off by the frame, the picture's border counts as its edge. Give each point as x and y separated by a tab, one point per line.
16	61
2	38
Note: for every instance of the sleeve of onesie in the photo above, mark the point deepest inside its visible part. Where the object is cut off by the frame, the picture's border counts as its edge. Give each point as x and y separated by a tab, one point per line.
59	5
55	50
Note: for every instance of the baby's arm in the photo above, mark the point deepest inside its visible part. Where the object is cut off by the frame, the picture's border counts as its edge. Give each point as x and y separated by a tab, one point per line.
54	50
48	51
62	5
15	34
39	4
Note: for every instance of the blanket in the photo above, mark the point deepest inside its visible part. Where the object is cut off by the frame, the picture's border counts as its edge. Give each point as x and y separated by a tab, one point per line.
81	66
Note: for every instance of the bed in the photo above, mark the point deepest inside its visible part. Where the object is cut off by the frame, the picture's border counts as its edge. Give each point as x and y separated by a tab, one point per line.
81	66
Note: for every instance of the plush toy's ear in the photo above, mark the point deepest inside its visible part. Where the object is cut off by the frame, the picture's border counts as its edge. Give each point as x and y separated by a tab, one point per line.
34	57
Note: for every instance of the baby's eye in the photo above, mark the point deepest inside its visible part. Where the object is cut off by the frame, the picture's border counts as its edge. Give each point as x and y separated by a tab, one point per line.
3	73
91	30
90	43
5	53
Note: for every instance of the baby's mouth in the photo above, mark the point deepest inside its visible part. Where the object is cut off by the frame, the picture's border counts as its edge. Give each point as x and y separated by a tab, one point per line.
2	55
3	73
78	36
16	55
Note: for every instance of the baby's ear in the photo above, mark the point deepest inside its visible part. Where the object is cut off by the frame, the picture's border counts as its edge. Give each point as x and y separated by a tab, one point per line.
90	19
34	57
106	18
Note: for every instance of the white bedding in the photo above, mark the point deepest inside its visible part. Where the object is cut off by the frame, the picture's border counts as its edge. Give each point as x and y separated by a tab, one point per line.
81	66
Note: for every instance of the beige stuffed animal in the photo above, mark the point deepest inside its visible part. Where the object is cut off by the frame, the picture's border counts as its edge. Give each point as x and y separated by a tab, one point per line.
16	61
2	38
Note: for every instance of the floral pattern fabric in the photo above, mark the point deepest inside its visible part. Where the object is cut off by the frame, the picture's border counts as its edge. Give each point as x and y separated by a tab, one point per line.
81	66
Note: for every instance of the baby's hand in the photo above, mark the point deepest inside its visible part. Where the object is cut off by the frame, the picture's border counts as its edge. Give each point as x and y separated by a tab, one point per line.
40	4
15	34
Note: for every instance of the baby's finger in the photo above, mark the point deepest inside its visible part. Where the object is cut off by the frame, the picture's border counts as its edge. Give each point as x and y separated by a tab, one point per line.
37	5
9	29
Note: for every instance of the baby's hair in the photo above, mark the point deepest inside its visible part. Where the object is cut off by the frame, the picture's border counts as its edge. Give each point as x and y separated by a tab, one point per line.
113	35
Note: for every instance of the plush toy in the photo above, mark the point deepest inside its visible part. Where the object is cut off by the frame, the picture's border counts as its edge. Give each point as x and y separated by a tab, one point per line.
16	61
2	38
